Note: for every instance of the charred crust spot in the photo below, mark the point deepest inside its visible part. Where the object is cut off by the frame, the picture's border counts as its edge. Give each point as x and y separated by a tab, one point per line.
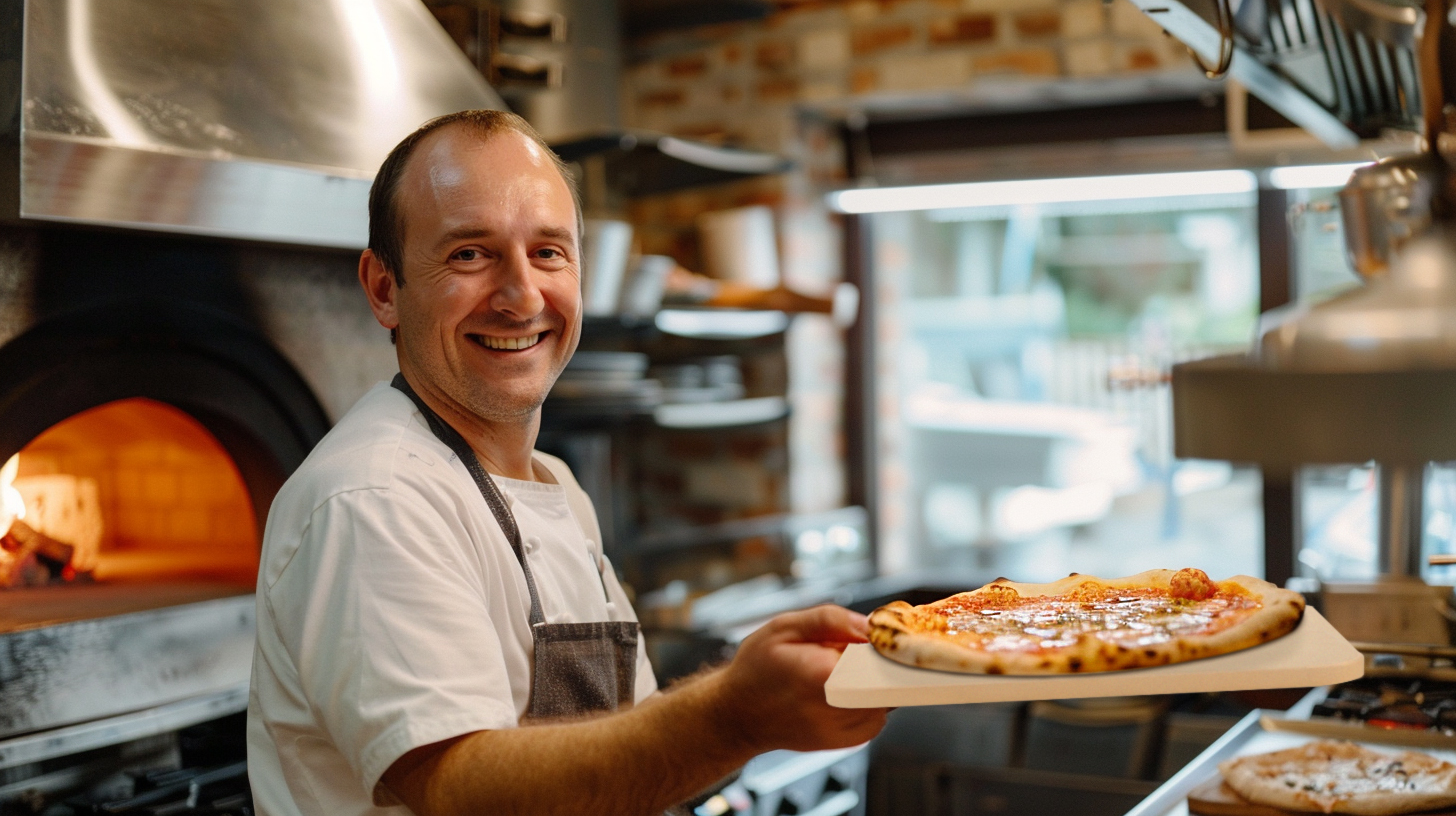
995	668
1150	653
1074	663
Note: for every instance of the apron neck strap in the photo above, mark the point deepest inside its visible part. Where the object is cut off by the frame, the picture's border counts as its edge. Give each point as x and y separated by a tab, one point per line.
488	490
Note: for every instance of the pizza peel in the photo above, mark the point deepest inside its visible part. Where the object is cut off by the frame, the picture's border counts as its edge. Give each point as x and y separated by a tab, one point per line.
1314	654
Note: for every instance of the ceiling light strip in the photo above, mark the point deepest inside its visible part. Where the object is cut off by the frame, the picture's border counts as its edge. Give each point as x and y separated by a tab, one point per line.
1310	176
1042	191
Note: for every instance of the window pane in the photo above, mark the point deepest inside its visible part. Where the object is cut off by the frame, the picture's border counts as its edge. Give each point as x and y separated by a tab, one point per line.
1024	405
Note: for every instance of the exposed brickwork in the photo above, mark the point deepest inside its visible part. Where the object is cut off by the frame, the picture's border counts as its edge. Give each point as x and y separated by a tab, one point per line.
1141	59
1038	23
774	55
962	29
1027	61
782	84
873	39
744	81
689	67
778	89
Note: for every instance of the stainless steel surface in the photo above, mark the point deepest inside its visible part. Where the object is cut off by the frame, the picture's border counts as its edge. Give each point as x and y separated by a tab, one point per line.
73	672
122	728
1406	649
1383	206
1236	409
261	119
78	181
1392	24
1262	731
1401	321
1317	114
572	90
1175	791
1401	521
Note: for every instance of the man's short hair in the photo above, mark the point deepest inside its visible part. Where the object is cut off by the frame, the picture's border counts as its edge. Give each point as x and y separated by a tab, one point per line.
386	219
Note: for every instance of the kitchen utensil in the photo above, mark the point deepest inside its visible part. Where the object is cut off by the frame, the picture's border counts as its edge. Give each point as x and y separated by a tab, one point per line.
642	291
605	247
740	245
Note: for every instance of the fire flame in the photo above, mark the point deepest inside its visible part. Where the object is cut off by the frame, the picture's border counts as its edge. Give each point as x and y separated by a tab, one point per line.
12	504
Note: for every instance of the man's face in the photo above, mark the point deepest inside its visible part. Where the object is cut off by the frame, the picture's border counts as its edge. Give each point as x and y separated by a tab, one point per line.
490	309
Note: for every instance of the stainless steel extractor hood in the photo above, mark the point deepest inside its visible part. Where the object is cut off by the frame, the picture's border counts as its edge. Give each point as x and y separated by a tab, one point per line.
256	119
1342	69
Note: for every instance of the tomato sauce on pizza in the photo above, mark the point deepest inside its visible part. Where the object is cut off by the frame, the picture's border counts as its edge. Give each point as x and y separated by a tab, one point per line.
1086	624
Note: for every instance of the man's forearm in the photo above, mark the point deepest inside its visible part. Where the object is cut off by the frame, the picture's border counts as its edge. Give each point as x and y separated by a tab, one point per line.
638	762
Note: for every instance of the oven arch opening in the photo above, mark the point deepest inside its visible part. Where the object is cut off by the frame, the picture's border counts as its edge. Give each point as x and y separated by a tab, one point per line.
190	384
202	361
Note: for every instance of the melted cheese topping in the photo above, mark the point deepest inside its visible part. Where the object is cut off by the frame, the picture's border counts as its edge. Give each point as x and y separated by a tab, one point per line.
1327	773
1006	622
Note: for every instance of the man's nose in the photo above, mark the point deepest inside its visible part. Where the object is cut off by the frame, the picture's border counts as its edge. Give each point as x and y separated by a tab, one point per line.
517	293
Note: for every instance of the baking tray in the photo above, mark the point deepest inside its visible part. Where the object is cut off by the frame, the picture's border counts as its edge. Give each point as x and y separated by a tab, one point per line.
1314	654
1257	733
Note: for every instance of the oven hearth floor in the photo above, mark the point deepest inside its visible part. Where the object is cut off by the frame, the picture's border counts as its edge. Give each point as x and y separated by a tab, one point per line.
22	609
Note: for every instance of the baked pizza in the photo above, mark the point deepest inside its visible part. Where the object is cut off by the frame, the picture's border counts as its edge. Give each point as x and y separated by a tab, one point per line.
1342	777
1085	624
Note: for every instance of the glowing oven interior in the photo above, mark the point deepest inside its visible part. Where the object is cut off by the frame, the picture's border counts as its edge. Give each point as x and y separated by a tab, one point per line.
126	506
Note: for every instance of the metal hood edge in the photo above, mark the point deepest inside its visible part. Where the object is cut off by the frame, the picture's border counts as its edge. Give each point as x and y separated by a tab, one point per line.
252	119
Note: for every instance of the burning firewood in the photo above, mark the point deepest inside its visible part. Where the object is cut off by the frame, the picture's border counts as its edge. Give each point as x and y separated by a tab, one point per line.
23	538
29	557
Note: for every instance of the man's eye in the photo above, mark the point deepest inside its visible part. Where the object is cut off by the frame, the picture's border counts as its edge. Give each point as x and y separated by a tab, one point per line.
467	255
548	252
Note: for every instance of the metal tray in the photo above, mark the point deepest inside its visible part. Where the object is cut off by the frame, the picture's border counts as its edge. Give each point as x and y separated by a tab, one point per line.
1314	654
1257	733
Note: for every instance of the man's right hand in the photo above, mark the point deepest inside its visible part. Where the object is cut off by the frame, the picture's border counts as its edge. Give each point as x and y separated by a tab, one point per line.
773	691
645	759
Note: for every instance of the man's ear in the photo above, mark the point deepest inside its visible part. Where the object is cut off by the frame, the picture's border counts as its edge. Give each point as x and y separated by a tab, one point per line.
381	289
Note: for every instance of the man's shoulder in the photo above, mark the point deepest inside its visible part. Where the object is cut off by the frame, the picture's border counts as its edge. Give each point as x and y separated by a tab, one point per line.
381	444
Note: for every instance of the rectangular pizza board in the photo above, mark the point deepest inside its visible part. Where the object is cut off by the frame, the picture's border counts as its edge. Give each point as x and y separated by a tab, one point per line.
1314	654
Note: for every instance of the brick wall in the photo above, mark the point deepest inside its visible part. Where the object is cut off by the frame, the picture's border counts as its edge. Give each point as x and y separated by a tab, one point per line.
741	83
784	83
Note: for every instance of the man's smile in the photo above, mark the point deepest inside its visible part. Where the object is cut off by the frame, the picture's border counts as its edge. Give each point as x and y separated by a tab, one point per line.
507	343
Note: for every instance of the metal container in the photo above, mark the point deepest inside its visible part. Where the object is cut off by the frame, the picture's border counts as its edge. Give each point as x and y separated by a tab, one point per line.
1384	205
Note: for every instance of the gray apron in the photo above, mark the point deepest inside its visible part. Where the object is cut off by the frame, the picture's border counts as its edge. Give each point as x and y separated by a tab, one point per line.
577	668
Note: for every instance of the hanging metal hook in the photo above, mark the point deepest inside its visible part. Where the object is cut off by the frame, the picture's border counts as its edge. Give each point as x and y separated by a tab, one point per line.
1223	10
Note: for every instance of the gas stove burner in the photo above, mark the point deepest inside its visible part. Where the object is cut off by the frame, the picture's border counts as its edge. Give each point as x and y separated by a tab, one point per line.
1414	704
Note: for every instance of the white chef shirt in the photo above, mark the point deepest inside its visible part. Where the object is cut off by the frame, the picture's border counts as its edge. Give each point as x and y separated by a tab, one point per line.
392	612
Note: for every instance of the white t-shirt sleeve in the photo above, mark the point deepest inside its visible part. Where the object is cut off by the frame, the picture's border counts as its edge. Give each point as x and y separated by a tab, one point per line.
381	611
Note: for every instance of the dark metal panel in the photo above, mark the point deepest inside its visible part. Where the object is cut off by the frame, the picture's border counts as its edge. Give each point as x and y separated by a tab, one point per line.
1276	288
1163	118
860	384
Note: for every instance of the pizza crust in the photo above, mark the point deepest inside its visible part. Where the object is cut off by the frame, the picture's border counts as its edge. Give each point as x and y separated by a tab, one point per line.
1341	777
909	635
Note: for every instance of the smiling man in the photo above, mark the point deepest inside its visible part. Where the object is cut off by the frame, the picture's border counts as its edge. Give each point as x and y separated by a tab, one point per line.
438	627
